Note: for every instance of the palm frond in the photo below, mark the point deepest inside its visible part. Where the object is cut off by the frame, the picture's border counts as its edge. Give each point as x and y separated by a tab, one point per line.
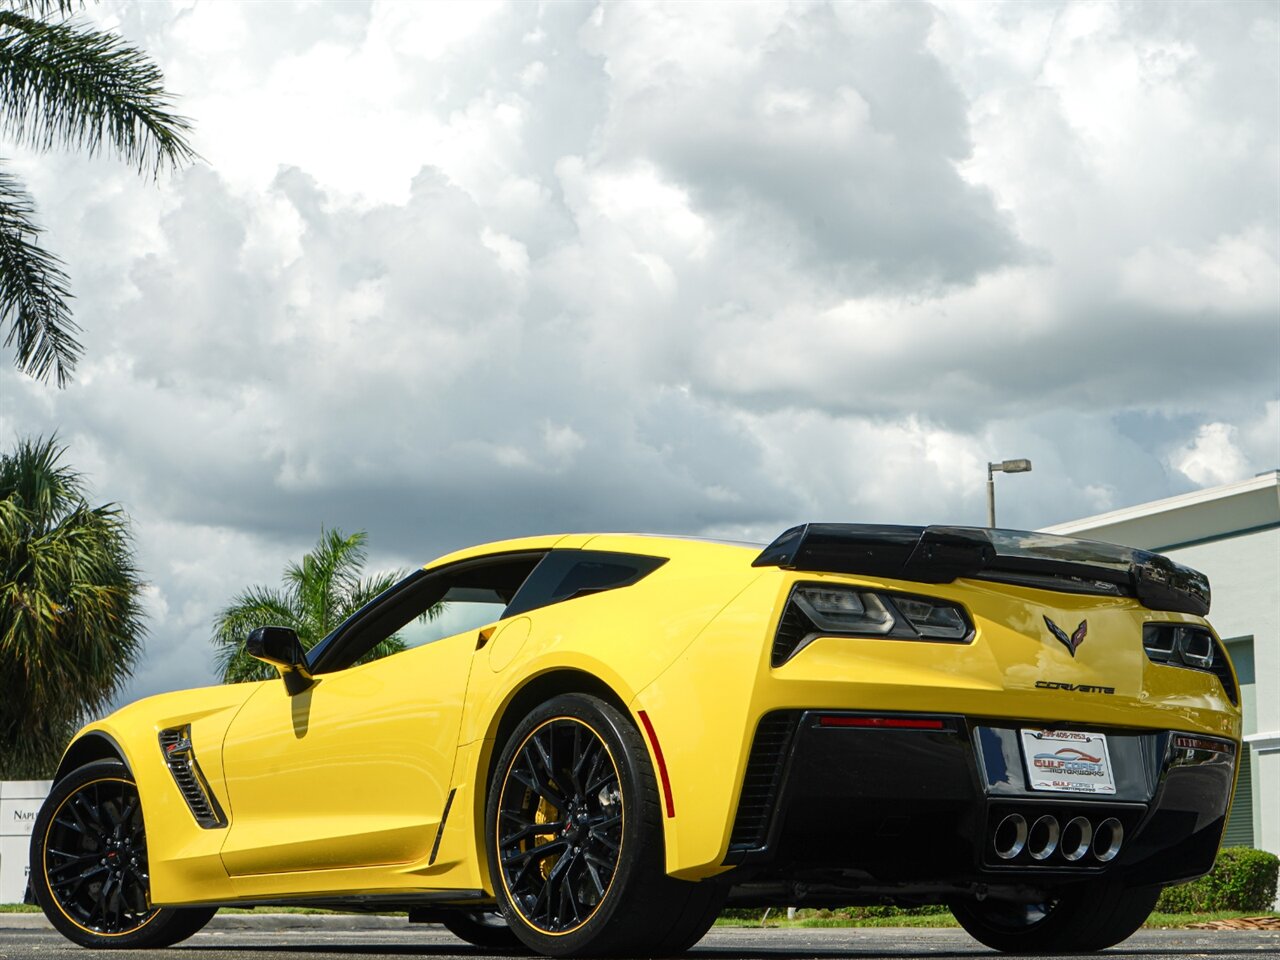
252	608
34	478
43	9
63	82
367	588
71	622
320	591
33	290
327	575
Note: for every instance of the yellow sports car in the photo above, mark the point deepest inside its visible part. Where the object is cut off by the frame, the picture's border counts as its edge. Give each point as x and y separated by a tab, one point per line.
636	731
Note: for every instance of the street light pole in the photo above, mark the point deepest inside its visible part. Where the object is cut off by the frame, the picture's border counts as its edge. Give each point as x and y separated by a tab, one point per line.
1004	466
991	496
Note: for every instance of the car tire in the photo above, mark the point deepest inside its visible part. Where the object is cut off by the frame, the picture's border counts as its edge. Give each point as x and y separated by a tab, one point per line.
574	838
487	930
95	814
1083	918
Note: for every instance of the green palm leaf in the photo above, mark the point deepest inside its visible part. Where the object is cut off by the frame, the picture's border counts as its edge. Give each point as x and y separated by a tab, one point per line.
33	291
70	619
252	608
65	83
46	8
316	595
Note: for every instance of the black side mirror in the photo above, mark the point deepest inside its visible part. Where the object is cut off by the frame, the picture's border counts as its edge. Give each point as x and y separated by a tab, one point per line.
280	647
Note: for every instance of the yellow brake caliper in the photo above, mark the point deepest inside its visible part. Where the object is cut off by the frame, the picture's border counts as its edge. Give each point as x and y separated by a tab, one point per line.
545	813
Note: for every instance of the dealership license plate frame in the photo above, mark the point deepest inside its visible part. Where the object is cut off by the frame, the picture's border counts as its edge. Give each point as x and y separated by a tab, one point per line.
1067	761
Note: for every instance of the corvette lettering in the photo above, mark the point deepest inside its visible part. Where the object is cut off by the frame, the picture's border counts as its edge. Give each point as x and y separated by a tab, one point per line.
1077	687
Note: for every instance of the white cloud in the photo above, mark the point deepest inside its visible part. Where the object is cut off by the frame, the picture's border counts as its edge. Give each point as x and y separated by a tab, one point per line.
454	273
1260	438
1212	457
1232	274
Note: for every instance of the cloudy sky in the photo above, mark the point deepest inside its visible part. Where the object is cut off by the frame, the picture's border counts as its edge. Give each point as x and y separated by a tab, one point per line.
456	272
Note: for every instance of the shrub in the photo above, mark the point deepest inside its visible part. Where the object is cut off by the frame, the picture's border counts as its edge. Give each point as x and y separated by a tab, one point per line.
1241	879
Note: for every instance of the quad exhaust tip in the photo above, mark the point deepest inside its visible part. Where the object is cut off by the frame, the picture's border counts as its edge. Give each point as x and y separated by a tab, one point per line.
1043	839
1011	836
1077	837
1045	836
1107	839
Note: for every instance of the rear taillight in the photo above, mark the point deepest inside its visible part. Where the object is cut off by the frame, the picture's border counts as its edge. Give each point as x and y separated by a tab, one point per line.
832	610
1189	646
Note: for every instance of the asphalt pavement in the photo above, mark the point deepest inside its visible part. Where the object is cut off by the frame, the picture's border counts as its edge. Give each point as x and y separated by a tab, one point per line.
338	937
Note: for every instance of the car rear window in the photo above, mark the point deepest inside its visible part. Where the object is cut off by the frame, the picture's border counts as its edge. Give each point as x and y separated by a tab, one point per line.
565	574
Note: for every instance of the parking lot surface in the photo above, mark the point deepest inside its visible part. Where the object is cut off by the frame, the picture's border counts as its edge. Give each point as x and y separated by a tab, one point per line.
283	937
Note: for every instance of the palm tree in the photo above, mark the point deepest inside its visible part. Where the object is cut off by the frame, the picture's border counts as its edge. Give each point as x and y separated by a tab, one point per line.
62	82
317	595
70	623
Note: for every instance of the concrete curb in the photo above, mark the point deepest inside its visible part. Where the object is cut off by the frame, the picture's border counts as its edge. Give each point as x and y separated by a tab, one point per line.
24	921
248	921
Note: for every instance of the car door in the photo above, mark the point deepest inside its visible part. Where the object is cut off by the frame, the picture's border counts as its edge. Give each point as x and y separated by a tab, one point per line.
354	770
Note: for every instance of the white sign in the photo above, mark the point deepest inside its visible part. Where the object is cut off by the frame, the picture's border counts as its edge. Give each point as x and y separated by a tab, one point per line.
1067	761
20	801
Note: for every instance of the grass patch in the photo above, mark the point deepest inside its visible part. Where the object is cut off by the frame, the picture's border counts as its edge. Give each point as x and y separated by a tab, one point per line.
1175	920
851	918
18	908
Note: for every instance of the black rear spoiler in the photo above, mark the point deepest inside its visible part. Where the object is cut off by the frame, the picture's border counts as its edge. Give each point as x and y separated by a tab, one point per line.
942	554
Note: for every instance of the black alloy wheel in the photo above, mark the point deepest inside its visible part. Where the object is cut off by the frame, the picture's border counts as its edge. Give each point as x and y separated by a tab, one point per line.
560	825
95	858
89	864
574	837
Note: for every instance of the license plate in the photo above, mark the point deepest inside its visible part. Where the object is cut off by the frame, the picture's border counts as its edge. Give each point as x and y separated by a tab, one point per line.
1067	761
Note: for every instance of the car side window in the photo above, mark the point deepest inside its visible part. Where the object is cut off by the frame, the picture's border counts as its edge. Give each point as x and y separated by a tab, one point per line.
565	574
481	587
462	608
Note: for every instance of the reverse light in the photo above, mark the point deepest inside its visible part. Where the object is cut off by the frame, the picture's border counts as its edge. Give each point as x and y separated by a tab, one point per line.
934	619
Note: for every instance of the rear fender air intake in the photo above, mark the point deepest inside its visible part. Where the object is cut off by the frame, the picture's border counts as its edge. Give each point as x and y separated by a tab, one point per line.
757	804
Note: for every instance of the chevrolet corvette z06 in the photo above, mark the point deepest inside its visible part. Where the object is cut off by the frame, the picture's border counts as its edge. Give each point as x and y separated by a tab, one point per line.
632	732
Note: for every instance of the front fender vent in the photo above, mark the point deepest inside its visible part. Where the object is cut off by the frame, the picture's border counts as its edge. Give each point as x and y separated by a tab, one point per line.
179	756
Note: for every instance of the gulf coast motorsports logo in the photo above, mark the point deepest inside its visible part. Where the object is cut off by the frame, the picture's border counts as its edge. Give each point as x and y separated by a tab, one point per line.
1070	761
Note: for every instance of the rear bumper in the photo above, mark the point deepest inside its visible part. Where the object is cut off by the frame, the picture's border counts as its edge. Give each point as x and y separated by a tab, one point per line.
829	812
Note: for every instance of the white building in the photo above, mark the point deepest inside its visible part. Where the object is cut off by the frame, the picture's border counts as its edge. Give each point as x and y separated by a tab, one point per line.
1232	534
